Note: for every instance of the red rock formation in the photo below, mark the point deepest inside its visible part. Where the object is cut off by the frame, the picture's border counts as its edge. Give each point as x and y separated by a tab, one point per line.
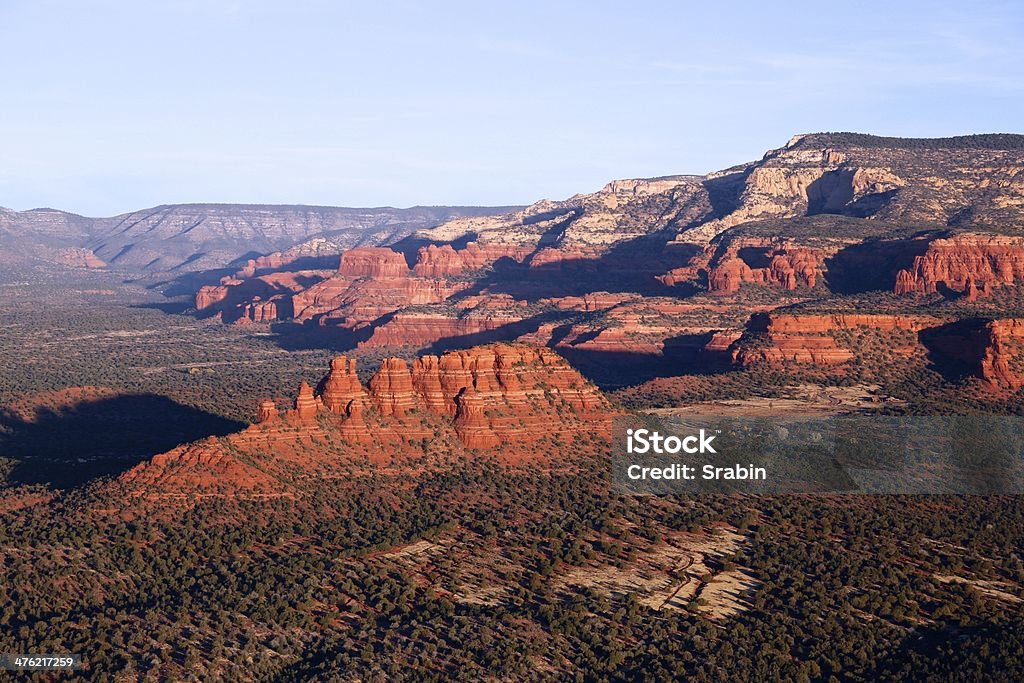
688	273
994	349
260	311
809	338
263	298
373	262
471	421
272	261
341	386
575	259
370	283
201	465
426	378
354	428
721	341
391	389
964	263
520	384
446	261
764	262
1002	364
306	405
422	329
504	395
267	411
210	295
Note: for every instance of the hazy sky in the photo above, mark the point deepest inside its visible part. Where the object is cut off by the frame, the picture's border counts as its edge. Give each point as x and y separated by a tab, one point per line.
107	107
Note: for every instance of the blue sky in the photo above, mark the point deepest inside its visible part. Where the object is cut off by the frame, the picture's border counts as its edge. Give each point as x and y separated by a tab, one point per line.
107	107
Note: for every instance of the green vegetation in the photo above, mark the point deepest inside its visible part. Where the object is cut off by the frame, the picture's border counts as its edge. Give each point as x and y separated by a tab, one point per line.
997	141
302	589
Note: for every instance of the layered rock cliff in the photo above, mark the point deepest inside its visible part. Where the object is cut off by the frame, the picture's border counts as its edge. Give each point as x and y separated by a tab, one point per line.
824	218
1002	360
991	350
814	339
971	264
761	261
493	393
962	182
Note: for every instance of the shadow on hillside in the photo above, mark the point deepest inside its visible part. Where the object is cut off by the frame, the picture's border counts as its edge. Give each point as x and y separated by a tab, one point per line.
187	284
310	335
631	267
956	349
70	446
871	265
411	245
682	355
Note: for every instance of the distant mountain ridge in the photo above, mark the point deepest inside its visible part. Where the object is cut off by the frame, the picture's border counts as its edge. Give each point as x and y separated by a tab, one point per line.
971	182
202	236
669	271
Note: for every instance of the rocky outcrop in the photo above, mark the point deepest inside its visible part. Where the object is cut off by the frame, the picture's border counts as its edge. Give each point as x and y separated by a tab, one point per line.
471	422
621	212
204	465
306	404
1002	362
647	186
267	411
991	350
971	264
506	399
447	261
492	393
963	182
423	329
341	388
354	428
802	180
761	261
211	295
391	388
373	262
262	298
813	339
369	284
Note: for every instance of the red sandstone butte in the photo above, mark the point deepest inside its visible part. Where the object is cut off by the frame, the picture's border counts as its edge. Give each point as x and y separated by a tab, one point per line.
445	260
778	263
968	263
1003	344
809	338
501	398
994	349
373	262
